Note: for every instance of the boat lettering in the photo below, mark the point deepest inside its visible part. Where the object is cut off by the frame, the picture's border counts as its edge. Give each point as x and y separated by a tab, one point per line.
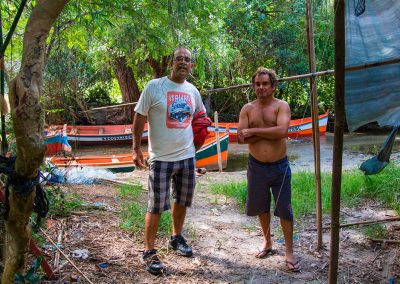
294	128
125	137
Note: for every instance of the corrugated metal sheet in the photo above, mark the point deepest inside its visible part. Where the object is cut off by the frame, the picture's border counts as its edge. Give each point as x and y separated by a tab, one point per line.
372	35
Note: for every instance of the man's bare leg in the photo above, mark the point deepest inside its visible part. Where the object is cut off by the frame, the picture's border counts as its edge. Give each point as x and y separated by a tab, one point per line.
178	218
265	222
287	228
152	220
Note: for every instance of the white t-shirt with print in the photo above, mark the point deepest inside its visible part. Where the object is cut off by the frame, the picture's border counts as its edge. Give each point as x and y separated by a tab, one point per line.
169	108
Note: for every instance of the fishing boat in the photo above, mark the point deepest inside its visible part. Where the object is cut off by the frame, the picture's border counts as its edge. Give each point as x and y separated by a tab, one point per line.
56	141
111	134
206	157
100	134
298	127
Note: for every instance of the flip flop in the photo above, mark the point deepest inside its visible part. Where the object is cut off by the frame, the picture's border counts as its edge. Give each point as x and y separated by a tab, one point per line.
293	267
265	252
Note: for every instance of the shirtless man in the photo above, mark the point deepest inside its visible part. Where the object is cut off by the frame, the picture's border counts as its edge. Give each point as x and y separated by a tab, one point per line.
263	125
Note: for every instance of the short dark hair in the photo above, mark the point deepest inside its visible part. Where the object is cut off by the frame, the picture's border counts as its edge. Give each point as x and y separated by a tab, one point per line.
264	71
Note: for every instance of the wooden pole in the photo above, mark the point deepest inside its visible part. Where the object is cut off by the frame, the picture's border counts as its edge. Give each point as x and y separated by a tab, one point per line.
2	87
106	107
338	138
309	75
218	142
391	219
315	123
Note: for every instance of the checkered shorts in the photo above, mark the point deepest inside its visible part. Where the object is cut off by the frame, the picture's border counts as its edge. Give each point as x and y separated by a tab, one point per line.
183	177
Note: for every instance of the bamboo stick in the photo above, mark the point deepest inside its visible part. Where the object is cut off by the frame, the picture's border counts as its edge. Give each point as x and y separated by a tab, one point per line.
218	142
59	241
310	75
391	219
106	107
283	79
371	65
315	123
66	256
386	241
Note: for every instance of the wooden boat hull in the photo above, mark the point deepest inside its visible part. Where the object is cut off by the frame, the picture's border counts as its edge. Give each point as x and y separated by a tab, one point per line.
206	157
100	134
112	134
297	128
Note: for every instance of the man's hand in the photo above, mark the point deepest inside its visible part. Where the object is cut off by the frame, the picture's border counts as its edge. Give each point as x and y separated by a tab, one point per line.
138	158
245	133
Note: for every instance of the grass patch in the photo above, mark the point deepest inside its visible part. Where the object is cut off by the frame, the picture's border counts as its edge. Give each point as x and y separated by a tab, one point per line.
61	204
375	231
384	187
134	211
236	190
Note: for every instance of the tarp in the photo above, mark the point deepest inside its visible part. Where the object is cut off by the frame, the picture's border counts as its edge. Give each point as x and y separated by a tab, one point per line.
372	35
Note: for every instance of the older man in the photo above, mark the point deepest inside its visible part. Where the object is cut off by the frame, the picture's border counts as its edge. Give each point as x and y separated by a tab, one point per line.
168	103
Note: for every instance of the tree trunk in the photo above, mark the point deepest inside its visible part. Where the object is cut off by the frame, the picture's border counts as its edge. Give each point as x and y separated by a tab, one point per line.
127	84
28	118
159	68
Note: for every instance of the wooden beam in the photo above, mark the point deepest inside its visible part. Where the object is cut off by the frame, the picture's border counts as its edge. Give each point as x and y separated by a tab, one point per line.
310	75
107	107
339	9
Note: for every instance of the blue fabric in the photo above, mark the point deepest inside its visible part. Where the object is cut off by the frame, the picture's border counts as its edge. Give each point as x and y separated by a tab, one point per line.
372	35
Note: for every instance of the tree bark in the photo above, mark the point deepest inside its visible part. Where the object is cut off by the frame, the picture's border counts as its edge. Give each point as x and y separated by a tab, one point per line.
127	84
159	68
28	119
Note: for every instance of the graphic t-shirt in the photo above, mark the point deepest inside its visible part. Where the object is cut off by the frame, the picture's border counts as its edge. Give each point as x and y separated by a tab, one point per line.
169	108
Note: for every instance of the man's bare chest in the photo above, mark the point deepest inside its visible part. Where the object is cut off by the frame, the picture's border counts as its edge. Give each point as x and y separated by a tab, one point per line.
262	118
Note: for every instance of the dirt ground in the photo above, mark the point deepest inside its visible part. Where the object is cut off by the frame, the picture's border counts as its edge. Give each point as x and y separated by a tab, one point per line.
224	241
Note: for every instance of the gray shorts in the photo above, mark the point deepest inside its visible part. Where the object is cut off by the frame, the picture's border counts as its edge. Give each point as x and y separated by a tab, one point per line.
183	177
262	178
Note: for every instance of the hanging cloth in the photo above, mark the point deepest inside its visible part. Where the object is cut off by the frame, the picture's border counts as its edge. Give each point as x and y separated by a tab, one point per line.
379	162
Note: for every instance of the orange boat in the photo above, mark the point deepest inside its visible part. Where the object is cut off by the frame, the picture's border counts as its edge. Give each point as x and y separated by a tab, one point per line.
111	134
206	157
298	127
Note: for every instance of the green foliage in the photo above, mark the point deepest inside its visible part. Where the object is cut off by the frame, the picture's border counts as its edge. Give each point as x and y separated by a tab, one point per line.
60	203
375	231
32	276
98	95
229	40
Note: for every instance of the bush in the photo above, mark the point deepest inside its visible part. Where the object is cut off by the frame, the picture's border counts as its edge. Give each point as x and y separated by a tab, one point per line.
98	95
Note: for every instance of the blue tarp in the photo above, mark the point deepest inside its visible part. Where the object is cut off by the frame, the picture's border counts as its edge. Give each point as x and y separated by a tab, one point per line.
372	35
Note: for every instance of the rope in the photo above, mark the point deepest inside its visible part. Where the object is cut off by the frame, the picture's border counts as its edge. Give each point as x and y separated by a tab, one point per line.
23	186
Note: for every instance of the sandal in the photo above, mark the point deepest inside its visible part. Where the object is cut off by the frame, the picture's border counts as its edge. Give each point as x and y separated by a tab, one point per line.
293	267
265	252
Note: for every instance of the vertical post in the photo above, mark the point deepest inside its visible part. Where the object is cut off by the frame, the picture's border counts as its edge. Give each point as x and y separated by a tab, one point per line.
315	122
3	118
218	142
339	9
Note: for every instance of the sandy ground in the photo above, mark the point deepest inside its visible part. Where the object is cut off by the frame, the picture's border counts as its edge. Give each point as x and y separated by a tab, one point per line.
224	242
224	239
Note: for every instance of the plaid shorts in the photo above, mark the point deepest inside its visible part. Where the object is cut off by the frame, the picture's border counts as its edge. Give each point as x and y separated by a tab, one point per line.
183	177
